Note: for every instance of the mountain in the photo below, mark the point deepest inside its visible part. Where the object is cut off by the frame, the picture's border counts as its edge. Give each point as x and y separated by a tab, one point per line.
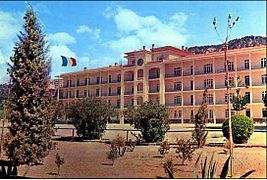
247	41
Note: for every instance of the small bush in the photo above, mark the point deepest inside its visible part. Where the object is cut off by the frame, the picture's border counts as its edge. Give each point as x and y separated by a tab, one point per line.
164	148
59	161
119	145
185	149
242	128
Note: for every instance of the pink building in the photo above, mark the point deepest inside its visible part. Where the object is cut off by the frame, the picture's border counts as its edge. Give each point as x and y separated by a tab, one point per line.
176	78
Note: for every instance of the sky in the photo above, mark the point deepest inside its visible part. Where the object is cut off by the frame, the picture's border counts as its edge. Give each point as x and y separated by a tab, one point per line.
99	33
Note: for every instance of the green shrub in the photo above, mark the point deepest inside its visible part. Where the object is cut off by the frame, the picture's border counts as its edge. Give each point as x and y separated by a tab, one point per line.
242	128
185	149
151	119
90	117
164	148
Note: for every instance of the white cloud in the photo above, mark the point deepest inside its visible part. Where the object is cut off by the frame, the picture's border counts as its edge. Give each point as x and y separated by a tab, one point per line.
61	38
135	30
10	26
86	29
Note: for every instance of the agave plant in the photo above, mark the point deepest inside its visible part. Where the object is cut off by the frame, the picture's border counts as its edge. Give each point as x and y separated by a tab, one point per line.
208	170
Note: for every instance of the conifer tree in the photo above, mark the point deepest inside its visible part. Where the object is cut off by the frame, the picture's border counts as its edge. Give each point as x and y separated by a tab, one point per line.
199	133
29	137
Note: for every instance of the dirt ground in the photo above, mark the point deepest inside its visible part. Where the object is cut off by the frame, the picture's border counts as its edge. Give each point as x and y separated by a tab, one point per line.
88	160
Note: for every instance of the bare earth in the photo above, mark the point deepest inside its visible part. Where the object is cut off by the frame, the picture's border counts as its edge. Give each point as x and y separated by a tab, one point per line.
88	160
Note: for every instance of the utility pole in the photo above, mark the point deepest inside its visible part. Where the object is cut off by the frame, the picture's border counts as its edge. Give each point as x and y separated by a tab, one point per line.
230	26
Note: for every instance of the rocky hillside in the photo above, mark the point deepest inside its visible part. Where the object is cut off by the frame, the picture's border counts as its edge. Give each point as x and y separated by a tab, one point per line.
247	41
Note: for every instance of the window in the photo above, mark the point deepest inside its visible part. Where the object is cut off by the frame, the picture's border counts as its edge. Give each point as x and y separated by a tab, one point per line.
132	89
192	114
179	113
109	91
263	94
177	86
97	92
191	85
191	70
177	100
158	87
208	83
175	114
70	84
109	102
246	63
132	102
247	95
247	82
70	94
118	103
78	82
119	90
177	71
264	79
248	112
97	80
231	97
263	62
85	93
88	80
77	94
209	98
208	68
119	78
192	99
85	81
230	66
231	81
157	73
264	112
211	114
133	62
109	78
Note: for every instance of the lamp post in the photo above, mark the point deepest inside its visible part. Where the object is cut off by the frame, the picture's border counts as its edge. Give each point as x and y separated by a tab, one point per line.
230	26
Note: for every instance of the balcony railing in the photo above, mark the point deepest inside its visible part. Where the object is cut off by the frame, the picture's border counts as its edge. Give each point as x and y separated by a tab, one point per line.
187	73
128	92
114	81
258	84
257	67
153	91
173	104
223	70
242	68
187	89
129	79
172	75
153	76
257	100
188	104
202	72
173	90
104	82
114	94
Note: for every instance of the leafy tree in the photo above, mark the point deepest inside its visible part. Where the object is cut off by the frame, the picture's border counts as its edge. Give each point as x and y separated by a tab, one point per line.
28	109
3	95
90	117
199	133
151	119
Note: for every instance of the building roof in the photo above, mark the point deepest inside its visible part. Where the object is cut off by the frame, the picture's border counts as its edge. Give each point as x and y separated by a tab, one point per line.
175	50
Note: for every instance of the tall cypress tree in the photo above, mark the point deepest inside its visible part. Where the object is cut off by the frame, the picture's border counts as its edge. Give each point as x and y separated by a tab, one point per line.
29	137
201	117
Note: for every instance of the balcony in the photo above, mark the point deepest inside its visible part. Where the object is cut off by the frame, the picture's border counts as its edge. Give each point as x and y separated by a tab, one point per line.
188	104
128	79
223	70
153	76
114	81
187	89
153	91
72	85
172	75
242	68
257	100
173	90
94	83
82	84
257	67
258	84
114	94
128	93
174	104
202	72
187	74
104	81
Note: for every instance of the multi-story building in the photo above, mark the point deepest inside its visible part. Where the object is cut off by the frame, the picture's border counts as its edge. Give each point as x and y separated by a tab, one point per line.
176	78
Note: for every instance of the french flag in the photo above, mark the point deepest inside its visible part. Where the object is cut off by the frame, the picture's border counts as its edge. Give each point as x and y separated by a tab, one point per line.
68	60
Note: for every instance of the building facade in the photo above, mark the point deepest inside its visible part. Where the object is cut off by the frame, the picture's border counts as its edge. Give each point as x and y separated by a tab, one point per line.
175	78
